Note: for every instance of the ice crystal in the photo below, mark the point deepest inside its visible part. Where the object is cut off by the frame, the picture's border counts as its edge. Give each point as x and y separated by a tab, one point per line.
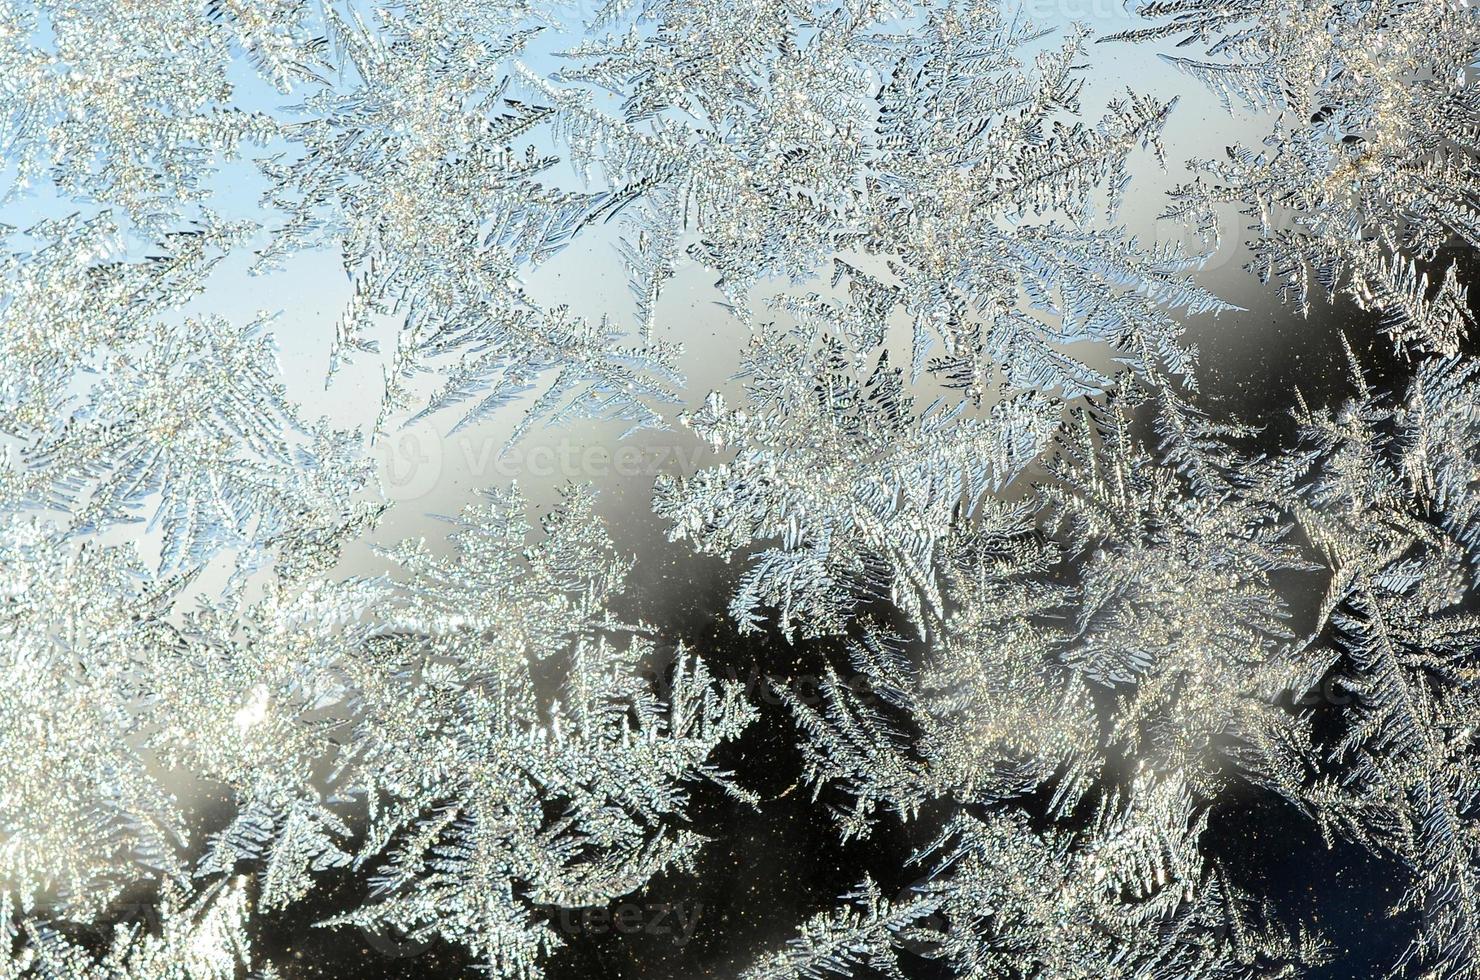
202	939
1388	492
1161	594
69	303
838	942
120	411
919	150
406	160
79	826
857	483
963	449
461	754
1132	898
1148	592
131	104
972	219
260	699
1367	174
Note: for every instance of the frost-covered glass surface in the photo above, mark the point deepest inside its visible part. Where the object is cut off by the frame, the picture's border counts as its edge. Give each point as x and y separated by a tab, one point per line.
779	489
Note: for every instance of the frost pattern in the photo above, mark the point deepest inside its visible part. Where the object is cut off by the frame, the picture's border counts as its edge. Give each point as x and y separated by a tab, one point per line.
405	159
857	483
1133	900
461	756
964	446
1367	175
130	104
1161	597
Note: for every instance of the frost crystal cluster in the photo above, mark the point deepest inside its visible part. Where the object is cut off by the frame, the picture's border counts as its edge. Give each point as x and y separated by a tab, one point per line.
1091	648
